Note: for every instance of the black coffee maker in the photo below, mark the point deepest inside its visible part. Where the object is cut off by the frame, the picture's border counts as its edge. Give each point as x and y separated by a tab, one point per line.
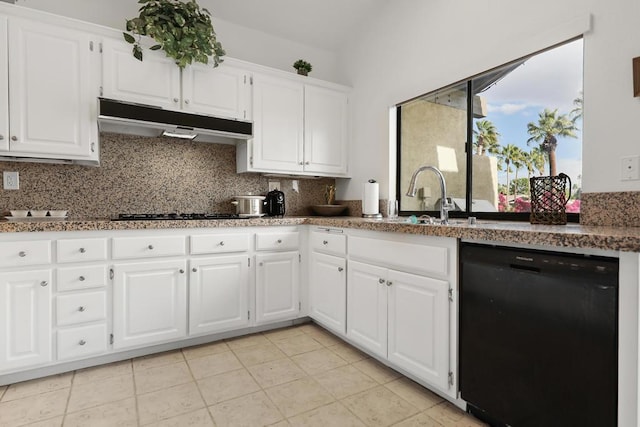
274	203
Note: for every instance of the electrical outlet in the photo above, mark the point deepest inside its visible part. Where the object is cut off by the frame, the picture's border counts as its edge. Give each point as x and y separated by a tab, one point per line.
630	168
274	185
10	180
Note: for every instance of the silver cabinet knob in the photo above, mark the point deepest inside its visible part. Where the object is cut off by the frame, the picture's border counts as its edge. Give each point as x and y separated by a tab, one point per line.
301	163
81	278
194	269
175	100
44	283
150	247
340	269
186	101
261	264
82	342
82	250
279	240
81	309
22	254
221	243
381	281
181	271
324	242
1	137
306	163
14	138
389	283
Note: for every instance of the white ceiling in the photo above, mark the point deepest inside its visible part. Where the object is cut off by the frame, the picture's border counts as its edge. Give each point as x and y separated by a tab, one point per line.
324	24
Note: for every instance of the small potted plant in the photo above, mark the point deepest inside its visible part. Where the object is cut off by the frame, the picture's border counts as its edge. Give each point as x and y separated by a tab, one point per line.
302	66
181	29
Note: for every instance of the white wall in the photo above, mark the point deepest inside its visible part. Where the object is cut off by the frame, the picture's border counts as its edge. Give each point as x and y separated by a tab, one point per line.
238	41
411	47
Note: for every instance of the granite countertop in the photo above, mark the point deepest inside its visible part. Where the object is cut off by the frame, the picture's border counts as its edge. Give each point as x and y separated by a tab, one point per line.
570	235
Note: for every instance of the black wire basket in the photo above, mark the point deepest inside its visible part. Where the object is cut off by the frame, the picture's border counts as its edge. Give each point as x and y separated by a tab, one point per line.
549	199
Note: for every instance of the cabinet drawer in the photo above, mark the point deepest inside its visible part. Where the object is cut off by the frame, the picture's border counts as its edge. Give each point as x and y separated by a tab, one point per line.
219	243
404	255
85	277
78	250
82	341
79	308
148	247
277	241
18	254
329	243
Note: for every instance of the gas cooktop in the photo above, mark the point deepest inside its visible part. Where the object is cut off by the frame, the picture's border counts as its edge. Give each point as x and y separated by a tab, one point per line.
174	216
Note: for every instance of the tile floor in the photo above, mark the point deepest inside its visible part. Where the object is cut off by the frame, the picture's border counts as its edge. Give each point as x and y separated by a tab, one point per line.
298	376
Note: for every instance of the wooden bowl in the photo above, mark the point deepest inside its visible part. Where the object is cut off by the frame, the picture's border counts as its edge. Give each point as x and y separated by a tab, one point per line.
328	210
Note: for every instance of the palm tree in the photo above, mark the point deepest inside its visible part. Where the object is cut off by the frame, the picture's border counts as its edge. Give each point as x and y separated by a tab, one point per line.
510	153
486	137
538	159
551	124
527	160
576	113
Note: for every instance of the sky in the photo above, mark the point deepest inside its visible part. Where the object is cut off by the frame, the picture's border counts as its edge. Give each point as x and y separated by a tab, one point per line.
552	79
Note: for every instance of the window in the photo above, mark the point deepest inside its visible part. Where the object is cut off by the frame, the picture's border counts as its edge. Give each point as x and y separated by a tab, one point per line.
489	134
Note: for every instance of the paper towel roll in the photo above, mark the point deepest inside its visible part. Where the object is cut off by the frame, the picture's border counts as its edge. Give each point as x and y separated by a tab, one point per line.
370	198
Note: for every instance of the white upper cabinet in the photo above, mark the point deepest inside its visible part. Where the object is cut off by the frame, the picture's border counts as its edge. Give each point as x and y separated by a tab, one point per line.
299	128
53	79
156	80
223	91
278	124
325	130
4	86
153	81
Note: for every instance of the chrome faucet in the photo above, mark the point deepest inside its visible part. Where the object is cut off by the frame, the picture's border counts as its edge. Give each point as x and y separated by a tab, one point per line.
445	206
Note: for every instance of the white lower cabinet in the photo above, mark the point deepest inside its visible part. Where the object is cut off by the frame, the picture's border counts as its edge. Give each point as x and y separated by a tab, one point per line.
277	286
218	294
418	325
367	307
400	303
402	317
328	291
25	318
149	302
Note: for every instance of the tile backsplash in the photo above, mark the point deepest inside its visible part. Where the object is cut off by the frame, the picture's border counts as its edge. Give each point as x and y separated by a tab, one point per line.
149	175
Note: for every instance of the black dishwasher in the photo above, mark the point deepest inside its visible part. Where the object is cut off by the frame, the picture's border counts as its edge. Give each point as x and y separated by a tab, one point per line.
538	337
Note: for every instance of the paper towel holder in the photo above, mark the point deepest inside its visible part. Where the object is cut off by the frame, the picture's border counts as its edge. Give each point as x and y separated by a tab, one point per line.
377	215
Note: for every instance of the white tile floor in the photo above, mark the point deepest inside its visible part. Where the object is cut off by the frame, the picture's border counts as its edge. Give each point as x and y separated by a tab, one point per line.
299	376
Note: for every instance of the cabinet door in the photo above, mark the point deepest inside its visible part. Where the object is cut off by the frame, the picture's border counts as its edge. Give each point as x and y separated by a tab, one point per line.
149	302
419	326
4	86
25	319
325	130
153	81
328	291
53	89
218	294
277	124
277	286
222	91
367	306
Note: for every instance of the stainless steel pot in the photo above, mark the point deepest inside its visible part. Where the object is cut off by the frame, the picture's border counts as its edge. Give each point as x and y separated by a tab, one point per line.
249	205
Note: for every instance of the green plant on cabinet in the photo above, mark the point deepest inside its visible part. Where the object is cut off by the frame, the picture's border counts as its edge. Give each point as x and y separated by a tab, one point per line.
182	29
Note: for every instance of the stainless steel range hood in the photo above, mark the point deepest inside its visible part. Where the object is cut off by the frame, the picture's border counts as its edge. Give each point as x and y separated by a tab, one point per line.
145	120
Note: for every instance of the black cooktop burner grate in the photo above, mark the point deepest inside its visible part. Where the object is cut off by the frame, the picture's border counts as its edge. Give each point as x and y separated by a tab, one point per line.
174	216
